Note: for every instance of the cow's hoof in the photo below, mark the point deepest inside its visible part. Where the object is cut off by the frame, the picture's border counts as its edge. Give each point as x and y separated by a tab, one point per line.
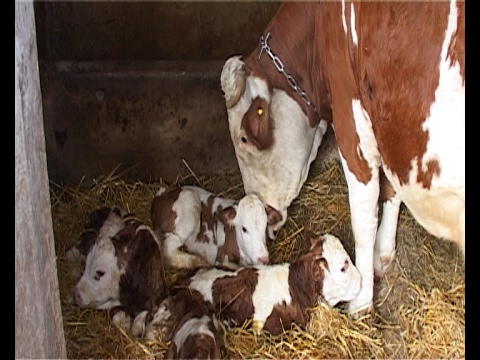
257	327
381	265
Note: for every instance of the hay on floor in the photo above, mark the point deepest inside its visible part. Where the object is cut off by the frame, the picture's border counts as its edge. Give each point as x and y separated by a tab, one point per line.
420	302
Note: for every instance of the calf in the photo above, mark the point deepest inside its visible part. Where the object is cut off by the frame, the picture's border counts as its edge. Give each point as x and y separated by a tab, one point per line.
272	296
214	229
197	335
124	272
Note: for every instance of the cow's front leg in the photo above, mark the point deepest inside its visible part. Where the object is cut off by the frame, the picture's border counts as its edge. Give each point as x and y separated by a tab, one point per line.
363	200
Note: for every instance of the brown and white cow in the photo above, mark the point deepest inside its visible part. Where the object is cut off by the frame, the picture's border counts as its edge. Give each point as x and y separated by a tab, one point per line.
213	229
390	78
124	272
273	296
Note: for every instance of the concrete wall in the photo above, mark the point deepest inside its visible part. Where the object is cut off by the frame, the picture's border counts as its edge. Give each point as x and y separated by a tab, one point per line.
137	85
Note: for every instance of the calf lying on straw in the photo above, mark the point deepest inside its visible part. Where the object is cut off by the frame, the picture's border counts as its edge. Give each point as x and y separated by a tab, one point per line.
214	229
198	335
124	272
272	296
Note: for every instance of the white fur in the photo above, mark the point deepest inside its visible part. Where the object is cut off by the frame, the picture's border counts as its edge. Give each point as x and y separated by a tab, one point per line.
102	293
352	25
342	281
203	281
250	216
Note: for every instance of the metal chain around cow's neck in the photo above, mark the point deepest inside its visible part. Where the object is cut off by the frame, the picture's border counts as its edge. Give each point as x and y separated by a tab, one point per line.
279	65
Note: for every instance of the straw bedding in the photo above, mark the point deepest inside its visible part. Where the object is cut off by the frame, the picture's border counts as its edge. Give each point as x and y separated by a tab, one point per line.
420	301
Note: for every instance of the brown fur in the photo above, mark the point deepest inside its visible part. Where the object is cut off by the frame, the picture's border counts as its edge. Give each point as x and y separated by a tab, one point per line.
161	207
142	286
196	346
230	247
89	235
207	221
394	81
258	125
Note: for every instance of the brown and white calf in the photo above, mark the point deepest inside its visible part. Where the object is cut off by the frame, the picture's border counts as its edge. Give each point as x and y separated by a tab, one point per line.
389	76
272	296
198	335
123	272
214	229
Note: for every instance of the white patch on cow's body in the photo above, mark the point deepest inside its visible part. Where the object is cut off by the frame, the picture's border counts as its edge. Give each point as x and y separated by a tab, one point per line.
384	250
287	162
441	209
344	21
352	26
203	281
272	288
341	282
191	327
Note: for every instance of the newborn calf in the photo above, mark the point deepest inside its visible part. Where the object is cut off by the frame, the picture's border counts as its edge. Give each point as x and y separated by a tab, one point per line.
214	230
273	296
124	272
198	335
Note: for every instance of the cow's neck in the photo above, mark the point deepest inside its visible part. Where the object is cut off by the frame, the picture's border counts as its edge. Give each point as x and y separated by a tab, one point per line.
294	47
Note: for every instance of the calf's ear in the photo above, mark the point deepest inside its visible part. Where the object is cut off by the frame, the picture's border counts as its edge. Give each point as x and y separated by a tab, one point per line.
227	215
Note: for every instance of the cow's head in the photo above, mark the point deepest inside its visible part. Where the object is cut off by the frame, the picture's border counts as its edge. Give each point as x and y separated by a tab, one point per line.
273	140
249	220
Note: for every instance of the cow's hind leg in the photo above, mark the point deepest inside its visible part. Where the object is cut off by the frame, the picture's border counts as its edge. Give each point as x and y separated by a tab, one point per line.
180	259
384	250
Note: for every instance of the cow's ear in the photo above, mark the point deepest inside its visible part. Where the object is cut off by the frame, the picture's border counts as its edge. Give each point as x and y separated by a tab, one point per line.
233	80
258	125
227	215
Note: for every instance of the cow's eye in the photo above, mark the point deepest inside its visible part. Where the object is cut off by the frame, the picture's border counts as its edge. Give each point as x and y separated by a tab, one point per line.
244	139
244	229
99	274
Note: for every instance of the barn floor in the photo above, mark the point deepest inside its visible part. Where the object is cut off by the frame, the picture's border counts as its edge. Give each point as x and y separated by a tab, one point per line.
420	302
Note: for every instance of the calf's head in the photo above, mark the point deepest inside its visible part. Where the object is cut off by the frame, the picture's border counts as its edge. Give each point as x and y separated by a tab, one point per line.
341	279
272	136
99	285
248	223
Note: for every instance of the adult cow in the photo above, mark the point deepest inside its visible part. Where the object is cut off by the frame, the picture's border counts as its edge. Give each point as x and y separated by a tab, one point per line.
390	78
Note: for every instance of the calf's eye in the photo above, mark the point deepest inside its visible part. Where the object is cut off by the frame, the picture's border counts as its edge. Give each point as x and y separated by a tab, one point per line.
244	229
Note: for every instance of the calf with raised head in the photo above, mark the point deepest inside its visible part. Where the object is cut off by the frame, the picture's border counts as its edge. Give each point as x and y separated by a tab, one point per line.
214	229
272	296
124	272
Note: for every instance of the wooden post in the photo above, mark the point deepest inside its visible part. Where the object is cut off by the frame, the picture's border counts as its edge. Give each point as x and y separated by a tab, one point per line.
38	317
